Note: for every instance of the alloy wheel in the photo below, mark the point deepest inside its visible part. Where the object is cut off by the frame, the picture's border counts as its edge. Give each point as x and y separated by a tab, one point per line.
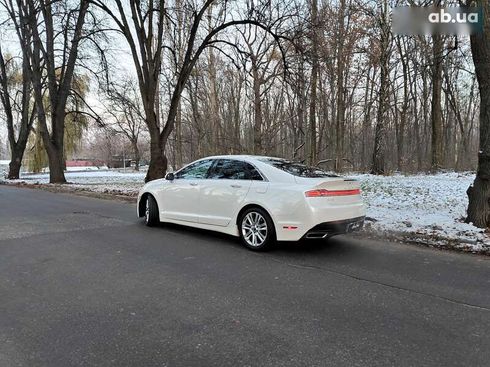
254	229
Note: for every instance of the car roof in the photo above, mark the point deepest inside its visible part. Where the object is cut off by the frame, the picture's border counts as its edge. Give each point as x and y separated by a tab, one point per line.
269	172
241	156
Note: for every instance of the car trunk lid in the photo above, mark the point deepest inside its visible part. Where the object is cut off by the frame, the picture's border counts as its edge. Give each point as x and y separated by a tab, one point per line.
337	190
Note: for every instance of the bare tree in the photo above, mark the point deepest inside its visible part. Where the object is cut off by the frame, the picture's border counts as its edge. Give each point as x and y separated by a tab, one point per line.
385	45
265	66
56	30
15	96
340	86
126	112
144	32
402	43
436	109
479	191
315	25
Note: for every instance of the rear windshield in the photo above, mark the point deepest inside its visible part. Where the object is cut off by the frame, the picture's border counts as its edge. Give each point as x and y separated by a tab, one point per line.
297	169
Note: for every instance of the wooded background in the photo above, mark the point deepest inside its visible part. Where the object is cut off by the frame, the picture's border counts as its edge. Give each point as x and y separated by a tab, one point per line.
324	82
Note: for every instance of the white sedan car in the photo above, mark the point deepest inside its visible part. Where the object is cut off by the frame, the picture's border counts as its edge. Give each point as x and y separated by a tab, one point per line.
259	199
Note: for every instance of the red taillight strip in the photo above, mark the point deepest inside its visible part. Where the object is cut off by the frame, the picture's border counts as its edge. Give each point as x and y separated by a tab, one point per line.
324	192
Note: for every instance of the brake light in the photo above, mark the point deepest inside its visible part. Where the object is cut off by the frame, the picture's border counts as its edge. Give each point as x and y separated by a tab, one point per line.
323	192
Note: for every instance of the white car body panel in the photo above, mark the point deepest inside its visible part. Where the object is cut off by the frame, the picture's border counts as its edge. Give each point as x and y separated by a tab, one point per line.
215	204
220	200
185	200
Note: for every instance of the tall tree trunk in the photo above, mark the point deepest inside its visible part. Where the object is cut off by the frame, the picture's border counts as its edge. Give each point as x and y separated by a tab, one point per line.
423	129
379	152
314	77
214	113
436	110
17	146
15	164
365	121
158	140
479	191
158	160
257	128
136	154
178	138
53	144
404	110
299	133
179	161
340	111
151	102
56	164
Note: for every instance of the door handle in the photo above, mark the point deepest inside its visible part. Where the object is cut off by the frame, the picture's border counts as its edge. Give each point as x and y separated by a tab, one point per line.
193	184
236	186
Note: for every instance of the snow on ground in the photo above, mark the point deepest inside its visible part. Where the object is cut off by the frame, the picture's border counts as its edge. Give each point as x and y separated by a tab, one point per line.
433	206
102	181
425	206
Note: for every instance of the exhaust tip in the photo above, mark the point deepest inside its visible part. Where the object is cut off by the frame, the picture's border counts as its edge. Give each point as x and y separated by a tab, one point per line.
316	235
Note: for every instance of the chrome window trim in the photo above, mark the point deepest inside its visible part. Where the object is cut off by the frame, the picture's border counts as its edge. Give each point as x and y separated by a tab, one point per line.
264	178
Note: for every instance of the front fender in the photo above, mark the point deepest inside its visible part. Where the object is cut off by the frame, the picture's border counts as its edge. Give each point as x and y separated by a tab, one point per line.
152	188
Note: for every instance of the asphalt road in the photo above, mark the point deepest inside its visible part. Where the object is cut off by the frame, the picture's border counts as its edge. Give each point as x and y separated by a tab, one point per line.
84	283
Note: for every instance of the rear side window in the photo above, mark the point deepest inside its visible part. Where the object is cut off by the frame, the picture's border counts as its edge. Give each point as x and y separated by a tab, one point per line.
297	169
230	169
196	170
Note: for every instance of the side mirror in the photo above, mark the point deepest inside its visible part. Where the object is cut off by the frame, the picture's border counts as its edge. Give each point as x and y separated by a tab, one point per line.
170	176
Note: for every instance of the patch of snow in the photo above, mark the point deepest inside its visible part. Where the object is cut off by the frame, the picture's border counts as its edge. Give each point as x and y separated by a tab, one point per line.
423	204
103	181
86	168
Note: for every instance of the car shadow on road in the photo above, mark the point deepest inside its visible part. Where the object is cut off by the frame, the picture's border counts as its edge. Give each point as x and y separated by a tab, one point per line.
201	233
332	246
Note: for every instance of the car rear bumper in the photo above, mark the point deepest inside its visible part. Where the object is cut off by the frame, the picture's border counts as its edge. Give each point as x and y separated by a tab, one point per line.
329	229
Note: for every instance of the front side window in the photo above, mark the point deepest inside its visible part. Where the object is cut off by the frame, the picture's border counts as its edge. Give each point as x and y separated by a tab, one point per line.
297	169
198	170
230	169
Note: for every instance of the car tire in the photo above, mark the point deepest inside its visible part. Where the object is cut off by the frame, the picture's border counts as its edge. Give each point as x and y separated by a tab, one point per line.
151	212
256	228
